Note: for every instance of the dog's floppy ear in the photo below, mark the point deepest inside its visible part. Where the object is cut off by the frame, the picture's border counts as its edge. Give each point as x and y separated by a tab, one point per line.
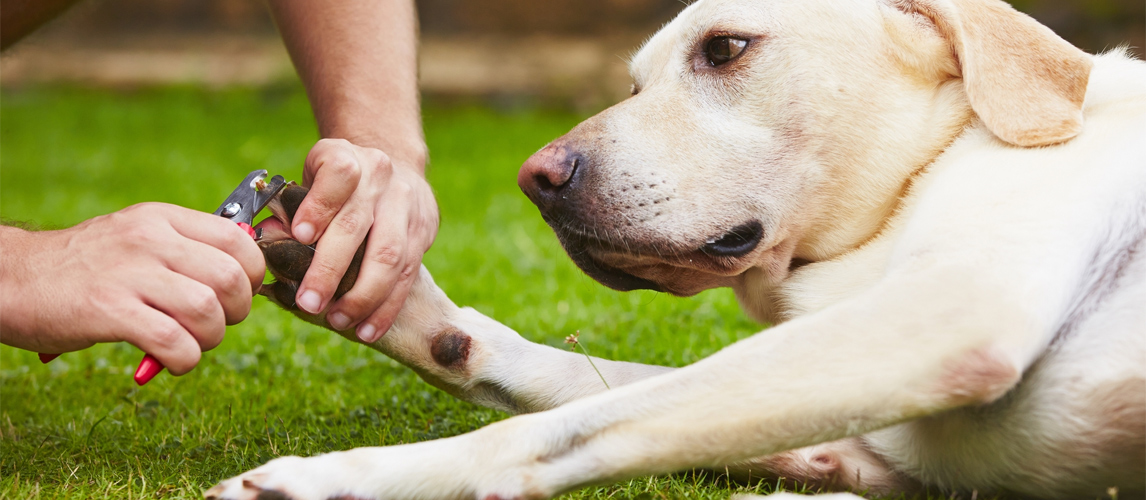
1024	82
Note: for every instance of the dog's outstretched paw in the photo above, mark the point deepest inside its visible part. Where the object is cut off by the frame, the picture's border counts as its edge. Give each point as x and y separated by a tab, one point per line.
286	478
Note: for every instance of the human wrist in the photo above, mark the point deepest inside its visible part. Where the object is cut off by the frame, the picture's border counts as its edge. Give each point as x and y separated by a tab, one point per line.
14	243
410	153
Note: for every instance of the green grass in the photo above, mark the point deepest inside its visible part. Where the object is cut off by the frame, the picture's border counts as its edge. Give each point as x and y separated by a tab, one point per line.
80	428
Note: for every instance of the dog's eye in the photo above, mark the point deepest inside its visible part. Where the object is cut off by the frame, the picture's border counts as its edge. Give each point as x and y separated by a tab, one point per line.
722	49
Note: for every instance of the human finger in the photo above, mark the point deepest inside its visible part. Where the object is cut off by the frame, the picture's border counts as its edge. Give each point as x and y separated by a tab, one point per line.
379	322
334	171
190	303
332	257
157	334
382	265
221	234
219	271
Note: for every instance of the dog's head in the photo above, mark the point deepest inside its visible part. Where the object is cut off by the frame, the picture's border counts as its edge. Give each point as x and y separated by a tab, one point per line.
762	131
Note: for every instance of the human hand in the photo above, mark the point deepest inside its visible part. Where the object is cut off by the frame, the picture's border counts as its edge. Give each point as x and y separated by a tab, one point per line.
357	193
163	278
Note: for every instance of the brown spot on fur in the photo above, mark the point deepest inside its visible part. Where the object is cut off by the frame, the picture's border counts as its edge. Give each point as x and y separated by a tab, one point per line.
451	349
978	377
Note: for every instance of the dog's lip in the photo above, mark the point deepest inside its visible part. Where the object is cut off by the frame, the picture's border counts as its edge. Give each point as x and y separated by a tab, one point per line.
736	242
610	276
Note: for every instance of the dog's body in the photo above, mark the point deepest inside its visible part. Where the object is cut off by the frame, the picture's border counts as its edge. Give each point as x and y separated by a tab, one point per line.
959	265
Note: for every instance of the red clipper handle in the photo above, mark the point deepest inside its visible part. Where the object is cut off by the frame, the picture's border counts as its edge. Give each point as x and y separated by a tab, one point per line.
148	368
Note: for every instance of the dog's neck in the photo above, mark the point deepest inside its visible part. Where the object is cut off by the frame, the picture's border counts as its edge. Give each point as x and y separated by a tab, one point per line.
863	191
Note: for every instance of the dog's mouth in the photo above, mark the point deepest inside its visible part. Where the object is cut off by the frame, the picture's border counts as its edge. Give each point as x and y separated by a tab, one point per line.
738	242
664	266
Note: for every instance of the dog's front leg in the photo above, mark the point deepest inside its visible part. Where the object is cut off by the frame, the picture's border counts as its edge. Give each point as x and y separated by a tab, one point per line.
861	365
480	360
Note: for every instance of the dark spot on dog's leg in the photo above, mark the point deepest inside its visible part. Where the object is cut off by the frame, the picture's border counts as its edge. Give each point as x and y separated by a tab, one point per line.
450	349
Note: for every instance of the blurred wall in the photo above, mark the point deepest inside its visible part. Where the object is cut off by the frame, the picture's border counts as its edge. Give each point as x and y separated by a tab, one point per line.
1090	24
567	49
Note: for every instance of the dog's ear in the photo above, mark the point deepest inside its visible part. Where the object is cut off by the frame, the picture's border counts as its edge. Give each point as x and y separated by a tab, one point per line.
1024	82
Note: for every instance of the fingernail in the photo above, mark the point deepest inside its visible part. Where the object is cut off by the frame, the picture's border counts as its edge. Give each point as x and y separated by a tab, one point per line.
310	302
366	332
338	320
304	233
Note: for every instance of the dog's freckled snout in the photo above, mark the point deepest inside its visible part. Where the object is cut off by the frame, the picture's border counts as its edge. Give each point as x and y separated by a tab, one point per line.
548	175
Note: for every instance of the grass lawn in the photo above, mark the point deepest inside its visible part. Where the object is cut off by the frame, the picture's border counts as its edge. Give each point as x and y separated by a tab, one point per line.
80	428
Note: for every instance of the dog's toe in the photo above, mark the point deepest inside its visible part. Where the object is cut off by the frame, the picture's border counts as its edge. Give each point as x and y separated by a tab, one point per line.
245	488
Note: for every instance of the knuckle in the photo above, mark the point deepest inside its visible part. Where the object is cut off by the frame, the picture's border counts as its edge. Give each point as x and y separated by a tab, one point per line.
324	271
379	159
340	142
387	255
404	189
343	164
324	208
167	337
202	303
233	277
358	305
350	224
233	237
329	144
409	270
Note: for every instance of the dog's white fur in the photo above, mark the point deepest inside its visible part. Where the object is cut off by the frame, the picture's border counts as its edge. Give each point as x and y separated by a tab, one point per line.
973	316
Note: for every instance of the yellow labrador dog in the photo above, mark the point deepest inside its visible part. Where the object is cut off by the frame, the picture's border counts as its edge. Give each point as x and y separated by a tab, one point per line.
941	203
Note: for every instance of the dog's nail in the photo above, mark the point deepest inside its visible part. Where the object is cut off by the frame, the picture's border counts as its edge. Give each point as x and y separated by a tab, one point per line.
310	302
338	320
366	332
304	233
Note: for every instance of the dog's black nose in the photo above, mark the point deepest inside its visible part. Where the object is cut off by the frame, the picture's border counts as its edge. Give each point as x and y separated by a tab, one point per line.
547	176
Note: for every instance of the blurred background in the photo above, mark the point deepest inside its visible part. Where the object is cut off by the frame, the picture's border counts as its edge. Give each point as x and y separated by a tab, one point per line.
562	51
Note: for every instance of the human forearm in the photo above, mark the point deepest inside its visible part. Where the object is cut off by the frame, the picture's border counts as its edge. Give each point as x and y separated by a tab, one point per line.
358	60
